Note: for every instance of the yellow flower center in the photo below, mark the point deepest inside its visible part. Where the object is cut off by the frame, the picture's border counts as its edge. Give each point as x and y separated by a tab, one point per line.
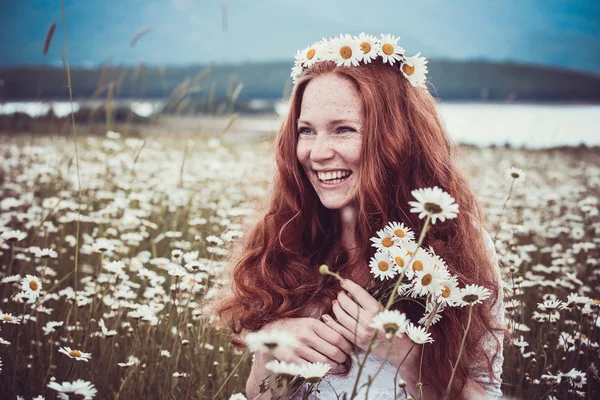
400	261
383	266
400	233
7	318
346	52
408	69
387	242
417	266
410	253
596	301
446	292
75	353
387	49
365	47
33	285
310	53
426	279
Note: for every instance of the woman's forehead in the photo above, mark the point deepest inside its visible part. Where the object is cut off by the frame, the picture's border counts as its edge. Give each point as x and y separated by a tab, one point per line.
330	97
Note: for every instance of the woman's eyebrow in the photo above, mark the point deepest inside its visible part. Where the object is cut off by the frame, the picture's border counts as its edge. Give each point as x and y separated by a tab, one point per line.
332	122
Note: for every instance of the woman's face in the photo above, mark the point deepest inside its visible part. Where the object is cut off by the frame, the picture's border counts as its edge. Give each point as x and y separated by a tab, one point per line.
330	139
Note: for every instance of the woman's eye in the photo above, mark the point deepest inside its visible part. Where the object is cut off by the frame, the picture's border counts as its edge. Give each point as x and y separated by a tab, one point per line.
344	129
305	131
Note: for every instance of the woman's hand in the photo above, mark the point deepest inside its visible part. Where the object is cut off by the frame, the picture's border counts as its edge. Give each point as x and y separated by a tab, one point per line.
317	342
354	310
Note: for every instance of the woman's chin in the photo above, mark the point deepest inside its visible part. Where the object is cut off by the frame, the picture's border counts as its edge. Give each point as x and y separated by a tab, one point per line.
333	203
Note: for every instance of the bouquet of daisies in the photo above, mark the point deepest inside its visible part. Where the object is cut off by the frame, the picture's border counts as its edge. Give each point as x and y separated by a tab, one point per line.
408	272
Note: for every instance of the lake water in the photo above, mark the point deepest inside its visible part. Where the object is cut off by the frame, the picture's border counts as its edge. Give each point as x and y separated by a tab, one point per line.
530	125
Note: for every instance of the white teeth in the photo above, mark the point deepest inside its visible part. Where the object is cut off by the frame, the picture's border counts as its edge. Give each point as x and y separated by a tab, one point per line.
325	176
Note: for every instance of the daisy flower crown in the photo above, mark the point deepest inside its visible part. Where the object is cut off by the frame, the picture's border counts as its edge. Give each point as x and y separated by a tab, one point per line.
347	50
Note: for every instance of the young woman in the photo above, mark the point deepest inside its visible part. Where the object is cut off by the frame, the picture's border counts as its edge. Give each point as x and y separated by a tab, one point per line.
362	132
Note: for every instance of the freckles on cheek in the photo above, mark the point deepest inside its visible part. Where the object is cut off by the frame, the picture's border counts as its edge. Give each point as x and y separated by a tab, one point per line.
302	152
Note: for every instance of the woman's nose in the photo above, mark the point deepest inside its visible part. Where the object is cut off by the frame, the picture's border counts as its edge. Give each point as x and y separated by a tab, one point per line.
322	149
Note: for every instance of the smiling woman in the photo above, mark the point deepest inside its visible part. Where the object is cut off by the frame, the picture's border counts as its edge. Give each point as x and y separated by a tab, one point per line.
362	133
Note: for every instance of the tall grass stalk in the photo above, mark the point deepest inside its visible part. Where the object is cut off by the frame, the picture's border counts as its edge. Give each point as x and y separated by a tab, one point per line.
65	59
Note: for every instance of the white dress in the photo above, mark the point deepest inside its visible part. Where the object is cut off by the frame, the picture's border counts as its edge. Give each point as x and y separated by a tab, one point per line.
383	385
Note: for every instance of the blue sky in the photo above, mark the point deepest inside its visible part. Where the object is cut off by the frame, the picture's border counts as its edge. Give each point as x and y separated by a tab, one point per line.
562	33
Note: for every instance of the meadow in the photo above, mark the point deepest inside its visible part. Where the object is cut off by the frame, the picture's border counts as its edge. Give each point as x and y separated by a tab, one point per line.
110	249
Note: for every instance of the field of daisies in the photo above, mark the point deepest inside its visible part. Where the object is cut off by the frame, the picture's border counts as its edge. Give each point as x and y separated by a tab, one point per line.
110	248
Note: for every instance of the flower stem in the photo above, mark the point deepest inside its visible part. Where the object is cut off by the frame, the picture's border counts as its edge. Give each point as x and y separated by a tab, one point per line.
462	346
502	212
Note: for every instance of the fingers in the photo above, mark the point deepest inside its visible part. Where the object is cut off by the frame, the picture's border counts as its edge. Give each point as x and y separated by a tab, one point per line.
313	356
331	351
350	306
363	298
347	322
336	326
333	337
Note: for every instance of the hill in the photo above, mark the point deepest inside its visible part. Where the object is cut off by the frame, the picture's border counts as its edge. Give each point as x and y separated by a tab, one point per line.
451	80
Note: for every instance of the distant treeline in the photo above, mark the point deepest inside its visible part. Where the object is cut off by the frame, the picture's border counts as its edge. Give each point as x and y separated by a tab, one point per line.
450	80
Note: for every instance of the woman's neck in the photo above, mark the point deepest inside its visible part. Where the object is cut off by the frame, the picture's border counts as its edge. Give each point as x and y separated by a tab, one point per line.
348	216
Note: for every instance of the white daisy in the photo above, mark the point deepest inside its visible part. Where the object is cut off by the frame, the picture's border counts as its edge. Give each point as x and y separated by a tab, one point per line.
515	174
312	54
427	280
31	286
237	396
297	68
414	69
50	202
420	261
369	46
425	319
418	334
267	341
400	257
13	236
384	240
382	266
180	375
43	253
51	326
345	51
314	372
11	279
390	322
401	231
450	293
102	245
9	318
4	342
76	354
473	294
435	202
576	377
283	368
79	389
389	49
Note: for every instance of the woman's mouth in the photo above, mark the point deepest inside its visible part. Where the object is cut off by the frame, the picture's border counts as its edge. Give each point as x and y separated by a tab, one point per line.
333	177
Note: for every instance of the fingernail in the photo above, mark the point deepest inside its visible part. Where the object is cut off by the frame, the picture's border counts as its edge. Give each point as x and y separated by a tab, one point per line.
342	282
325	317
335	302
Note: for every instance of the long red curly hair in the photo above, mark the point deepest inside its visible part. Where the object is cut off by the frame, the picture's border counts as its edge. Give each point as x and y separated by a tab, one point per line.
275	271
